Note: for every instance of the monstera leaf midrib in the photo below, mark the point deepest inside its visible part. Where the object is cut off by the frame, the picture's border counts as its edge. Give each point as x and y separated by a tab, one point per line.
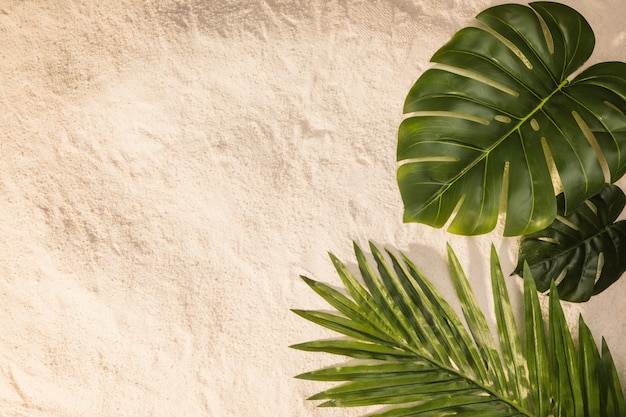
502	123
497	143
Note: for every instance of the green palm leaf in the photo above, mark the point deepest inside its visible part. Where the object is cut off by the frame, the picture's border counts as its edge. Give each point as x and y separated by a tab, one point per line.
414	355
496	125
584	252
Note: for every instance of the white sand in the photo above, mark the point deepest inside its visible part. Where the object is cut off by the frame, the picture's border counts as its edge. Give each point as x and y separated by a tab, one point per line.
169	168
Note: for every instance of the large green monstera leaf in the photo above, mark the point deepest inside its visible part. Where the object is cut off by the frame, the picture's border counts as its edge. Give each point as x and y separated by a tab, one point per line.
583	252
496	128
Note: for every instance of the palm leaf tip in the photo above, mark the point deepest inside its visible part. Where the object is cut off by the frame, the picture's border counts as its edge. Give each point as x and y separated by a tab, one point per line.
612	394
412	352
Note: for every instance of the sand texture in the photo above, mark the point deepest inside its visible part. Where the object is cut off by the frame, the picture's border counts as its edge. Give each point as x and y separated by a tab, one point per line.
168	168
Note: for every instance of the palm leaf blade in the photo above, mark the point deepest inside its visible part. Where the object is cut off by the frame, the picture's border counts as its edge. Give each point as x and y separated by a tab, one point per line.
383	299
343	304
364	299
477	323
456	347
369	372
417	327
443	319
398	390
342	325
590	372
567	390
355	349
614	404
454	405
508	334
536	350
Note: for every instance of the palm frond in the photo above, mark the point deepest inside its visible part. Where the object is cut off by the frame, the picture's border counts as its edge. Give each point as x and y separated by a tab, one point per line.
415	355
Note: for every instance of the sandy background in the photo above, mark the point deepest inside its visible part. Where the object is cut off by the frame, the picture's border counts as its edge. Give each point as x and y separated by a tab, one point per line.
169	168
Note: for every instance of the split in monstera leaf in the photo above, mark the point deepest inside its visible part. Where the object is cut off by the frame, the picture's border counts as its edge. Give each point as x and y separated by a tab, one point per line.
414	355
496	129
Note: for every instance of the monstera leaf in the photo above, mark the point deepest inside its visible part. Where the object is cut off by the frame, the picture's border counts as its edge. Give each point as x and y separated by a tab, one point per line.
583	252
496	127
414	355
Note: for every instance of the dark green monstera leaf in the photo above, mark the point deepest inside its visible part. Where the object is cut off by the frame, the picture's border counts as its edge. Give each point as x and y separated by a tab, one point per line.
496	128
583	252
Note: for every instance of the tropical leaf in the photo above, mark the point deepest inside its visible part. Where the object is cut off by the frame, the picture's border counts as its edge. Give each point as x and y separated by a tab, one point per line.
414	355
583	252
496	125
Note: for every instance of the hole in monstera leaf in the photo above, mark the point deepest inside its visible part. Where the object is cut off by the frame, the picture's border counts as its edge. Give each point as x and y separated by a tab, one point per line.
567	223
557	184
476	77
549	240
452	114
502	118
599	268
593	141
504	193
612	106
518	53
592	207
546	33
561	276
535	125
456	210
